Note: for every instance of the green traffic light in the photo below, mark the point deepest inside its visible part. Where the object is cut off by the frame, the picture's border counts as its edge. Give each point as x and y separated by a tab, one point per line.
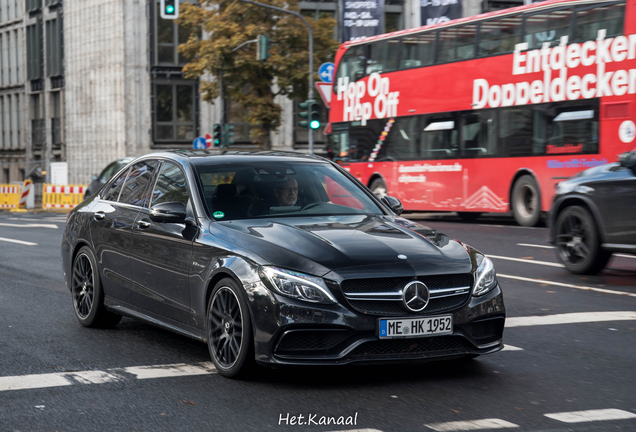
170	9
314	124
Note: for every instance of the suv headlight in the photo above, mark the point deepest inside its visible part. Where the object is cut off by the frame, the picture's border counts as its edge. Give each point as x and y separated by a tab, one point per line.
296	285
485	278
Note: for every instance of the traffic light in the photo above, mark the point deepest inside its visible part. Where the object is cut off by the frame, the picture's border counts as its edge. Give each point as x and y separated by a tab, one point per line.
229	134
217	135
262	47
314	115
311	113
169	9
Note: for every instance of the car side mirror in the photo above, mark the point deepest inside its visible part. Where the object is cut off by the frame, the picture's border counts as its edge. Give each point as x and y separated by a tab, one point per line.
628	159
168	212
94	177
394	204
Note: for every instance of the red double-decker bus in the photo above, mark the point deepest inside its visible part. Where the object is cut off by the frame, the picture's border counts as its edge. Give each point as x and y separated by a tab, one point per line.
488	113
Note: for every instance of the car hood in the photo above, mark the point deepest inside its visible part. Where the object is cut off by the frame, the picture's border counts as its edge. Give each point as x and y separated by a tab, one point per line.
370	244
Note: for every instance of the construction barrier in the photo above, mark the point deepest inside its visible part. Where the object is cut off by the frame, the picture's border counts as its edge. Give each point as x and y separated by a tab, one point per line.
62	197
9	196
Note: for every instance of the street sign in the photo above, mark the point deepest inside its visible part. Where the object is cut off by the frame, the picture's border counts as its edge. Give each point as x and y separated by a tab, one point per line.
199	143
326	72
208	141
325	90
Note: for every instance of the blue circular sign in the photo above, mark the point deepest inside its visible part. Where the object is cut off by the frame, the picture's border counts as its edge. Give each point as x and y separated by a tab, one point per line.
199	143
326	72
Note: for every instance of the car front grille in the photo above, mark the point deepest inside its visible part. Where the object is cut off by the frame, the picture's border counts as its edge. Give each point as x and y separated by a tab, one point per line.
485	331
297	341
383	296
411	348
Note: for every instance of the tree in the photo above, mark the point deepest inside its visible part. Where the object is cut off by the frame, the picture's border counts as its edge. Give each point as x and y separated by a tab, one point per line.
254	84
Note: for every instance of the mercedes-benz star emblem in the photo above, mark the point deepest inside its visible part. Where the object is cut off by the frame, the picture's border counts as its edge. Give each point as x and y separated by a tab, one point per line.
415	296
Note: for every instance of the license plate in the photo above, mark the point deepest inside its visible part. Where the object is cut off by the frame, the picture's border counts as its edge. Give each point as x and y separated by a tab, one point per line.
415	327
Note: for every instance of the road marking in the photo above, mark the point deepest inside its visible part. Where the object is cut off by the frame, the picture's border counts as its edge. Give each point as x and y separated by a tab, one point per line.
591	415
570	318
471	425
511	226
511	348
581	287
60	379
536	246
527	261
29	225
18	241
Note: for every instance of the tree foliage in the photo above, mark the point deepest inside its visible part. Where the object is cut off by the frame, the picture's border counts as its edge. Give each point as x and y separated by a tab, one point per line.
254	84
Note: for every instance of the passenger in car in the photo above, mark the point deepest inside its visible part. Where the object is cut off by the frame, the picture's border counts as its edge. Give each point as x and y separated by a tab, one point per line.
287	193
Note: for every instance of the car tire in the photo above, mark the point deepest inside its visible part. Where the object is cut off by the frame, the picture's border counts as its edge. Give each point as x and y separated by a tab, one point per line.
468	216
526	201
578	242
87	293
229	330
378	187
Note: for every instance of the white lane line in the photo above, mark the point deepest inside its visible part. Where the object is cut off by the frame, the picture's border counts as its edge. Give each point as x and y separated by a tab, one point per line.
511	226
359	430
527	261
581	287
28	225
18	241
471	425
570	318
511	348
591	415
553	247
535	246
23	382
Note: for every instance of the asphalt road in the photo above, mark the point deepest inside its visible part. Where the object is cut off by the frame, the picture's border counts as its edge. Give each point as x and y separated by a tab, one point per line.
568	365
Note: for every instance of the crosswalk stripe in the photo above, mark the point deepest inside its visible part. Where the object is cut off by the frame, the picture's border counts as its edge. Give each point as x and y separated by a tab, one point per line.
32	225
527	261
581	287
22	242
591	415
569	318
471	425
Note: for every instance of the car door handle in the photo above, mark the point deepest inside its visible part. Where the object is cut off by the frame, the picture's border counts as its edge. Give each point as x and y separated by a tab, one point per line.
99	215
143	224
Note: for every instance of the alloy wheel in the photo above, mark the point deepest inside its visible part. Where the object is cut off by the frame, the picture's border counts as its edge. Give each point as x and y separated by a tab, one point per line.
225	327
83	286
572	239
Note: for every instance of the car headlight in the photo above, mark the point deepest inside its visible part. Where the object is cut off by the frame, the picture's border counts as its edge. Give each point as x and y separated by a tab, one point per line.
485	279
296	285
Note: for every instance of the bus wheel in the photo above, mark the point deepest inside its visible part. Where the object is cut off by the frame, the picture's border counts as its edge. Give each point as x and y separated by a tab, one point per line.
526	201
378	187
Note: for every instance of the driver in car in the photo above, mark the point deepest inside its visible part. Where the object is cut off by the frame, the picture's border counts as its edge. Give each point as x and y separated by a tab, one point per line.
287	193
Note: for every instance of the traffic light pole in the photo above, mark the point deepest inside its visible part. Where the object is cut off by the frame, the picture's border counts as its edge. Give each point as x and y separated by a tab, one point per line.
311	57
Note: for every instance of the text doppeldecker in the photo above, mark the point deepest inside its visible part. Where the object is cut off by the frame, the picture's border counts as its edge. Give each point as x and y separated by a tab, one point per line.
556	64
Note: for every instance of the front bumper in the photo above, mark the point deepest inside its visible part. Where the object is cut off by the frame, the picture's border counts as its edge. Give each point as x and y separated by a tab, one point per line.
305	334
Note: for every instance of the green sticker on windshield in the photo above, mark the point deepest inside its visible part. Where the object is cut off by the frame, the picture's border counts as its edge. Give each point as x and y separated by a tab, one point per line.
218	215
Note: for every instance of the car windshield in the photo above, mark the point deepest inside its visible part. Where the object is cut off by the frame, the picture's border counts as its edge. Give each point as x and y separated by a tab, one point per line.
256	190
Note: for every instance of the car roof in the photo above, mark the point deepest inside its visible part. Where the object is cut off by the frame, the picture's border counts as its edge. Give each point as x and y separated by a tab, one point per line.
201	157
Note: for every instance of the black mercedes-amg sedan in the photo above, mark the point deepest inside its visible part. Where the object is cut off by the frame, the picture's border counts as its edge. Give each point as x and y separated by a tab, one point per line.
276	259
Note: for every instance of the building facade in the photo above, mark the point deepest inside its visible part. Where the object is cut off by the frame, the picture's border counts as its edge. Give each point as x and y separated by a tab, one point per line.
91	81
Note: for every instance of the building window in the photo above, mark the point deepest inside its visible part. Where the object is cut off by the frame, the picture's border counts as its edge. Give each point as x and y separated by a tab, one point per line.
168	36
174	111
54	47
34	51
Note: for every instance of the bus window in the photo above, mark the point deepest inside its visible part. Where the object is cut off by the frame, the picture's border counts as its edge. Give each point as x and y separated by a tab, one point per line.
401	141
516	131
383	56
547	27
478	134
573	130
418	50
590	21
456	43
352	64
439	138
499	36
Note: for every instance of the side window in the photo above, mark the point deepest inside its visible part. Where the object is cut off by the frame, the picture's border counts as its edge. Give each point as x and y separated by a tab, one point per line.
402	139
590	21
352	64
115	187
457	43
171	186
548	27
517	132
499	36
479	130
439	138
136	188
418	50
383	56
